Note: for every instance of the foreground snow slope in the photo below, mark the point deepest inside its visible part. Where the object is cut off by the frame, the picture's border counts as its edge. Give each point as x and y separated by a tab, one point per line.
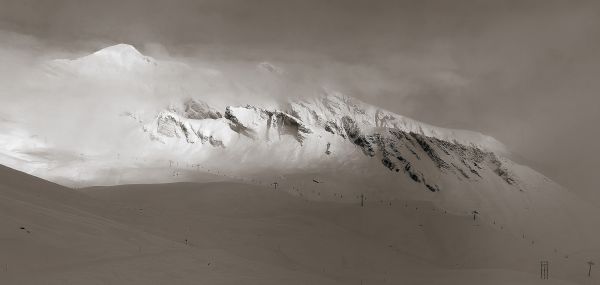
239	233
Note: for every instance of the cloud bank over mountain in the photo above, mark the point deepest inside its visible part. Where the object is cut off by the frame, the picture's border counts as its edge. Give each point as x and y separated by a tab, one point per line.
516	66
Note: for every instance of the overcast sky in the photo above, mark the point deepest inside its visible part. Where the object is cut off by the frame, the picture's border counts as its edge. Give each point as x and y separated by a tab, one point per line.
525	72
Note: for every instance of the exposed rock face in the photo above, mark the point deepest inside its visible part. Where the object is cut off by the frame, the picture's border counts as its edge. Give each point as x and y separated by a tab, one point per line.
171	126
238	125
168	126
399	151
198	110
258	123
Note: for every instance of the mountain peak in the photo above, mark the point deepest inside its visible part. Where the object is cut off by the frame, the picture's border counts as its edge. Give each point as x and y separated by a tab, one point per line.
123	55
108	61
124	50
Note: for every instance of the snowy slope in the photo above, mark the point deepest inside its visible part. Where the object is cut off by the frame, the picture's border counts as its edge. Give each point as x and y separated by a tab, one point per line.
233	233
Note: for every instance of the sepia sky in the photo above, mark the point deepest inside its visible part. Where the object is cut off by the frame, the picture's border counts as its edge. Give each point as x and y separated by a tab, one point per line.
525	72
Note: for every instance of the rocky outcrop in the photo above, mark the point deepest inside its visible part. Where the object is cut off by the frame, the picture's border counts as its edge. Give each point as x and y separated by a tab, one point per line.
258	123
198	110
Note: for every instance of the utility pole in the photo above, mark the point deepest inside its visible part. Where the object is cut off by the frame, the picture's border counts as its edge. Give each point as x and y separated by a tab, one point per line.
362	200
590	263
544	269
475	213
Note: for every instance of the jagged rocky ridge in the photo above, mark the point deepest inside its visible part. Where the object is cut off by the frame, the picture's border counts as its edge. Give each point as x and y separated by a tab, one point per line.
401	144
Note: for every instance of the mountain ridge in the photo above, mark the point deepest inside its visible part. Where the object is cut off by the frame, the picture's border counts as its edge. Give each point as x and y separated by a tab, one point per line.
340	119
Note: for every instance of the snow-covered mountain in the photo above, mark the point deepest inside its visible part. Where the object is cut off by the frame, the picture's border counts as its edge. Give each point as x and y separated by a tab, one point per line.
302	133
323	145
325	129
